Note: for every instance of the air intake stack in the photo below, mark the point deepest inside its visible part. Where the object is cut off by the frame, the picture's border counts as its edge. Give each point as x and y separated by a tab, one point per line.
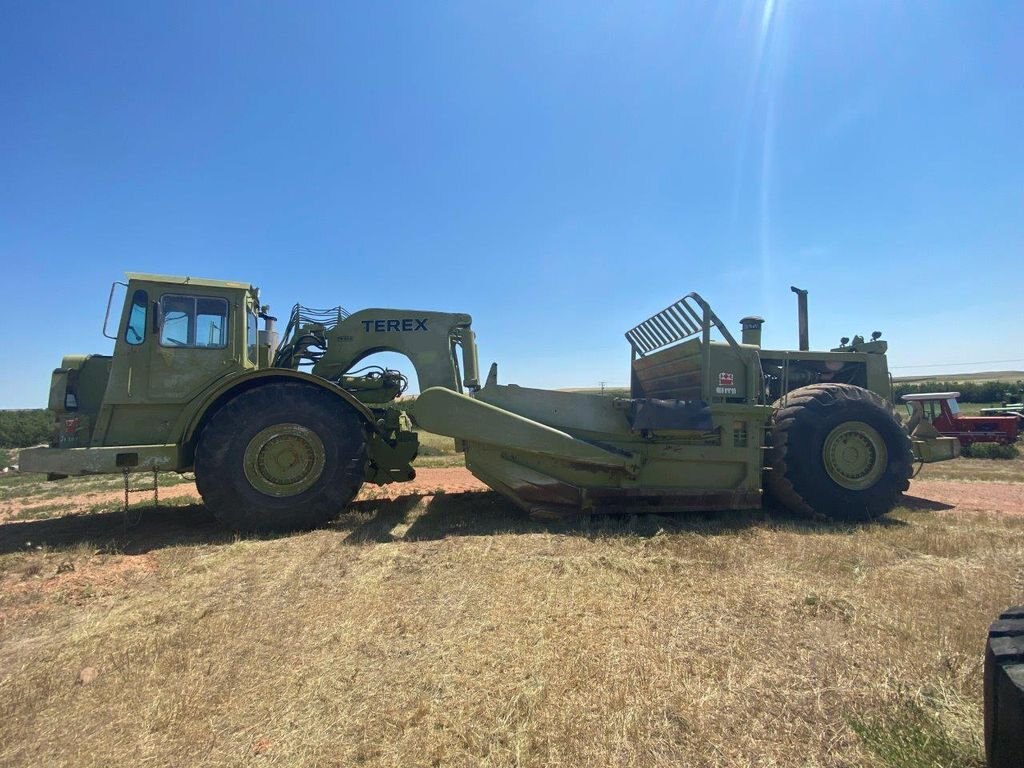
751	327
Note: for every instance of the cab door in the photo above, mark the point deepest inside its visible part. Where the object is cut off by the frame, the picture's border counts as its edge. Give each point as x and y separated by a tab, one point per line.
194	344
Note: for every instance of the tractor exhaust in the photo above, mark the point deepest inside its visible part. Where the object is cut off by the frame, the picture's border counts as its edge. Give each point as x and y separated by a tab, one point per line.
801	309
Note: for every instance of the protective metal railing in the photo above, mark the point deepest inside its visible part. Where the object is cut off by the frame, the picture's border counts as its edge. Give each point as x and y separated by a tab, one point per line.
303	342
686	318
328	318
677	322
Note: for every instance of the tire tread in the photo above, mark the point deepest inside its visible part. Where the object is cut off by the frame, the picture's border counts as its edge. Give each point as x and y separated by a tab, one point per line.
1004	691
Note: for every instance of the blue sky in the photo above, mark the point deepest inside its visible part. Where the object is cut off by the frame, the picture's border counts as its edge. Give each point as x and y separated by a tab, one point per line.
558	170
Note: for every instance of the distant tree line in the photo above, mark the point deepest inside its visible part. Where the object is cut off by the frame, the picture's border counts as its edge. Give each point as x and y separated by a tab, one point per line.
21	429
970	391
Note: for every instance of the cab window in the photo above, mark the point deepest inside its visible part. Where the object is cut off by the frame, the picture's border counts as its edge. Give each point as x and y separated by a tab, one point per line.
193	321
135	330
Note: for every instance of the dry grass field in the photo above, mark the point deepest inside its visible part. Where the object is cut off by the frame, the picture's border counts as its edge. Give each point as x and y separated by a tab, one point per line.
449	629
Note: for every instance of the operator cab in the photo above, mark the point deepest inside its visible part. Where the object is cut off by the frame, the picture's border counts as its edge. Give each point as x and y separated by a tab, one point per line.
175	336
932	404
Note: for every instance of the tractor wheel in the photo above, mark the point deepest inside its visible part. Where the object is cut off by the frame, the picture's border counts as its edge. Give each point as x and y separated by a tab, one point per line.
838	451
1004	691
282	456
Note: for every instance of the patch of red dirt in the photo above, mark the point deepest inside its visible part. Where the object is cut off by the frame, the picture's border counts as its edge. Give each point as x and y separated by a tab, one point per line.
47	579
429	480
1004	498
76	504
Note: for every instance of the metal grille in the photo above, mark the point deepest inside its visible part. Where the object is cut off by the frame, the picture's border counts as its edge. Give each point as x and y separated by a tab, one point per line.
674	323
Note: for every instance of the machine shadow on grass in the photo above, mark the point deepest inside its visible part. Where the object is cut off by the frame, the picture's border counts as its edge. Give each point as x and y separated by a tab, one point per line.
135	532
488	514
144	529
917	504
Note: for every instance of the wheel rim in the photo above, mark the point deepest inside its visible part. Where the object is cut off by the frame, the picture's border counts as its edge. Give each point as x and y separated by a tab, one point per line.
855	456
284	460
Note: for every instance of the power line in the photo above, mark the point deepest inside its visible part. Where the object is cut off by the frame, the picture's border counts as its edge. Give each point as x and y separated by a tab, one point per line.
977	362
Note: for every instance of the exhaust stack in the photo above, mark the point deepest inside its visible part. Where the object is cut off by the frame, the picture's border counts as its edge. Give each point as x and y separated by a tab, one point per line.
801	308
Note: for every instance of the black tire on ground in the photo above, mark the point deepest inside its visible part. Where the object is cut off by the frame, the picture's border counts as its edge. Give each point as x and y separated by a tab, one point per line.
316	439
820	425
1004	691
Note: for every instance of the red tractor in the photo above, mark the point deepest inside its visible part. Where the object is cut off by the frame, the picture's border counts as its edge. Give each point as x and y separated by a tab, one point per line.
942	411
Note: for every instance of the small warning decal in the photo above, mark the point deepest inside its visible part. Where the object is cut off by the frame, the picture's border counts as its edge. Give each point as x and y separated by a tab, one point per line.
726	379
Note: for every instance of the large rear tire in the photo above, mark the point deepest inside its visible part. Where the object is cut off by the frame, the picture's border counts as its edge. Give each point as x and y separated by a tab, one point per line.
1004	691
282	456
838	451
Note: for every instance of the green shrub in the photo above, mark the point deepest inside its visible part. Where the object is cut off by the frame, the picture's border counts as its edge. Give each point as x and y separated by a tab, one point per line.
20	429
990	451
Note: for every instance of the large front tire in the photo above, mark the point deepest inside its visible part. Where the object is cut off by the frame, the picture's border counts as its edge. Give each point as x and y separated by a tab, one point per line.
282	456
838	451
